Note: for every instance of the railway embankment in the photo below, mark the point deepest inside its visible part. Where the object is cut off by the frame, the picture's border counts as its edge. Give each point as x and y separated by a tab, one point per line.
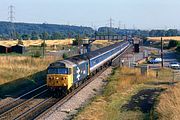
128	95
70	108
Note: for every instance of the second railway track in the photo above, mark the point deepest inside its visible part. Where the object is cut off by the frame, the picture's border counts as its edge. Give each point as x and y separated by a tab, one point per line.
39	105
36	108
24	106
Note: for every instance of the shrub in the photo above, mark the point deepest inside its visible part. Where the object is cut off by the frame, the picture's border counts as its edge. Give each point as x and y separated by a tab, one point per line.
65	55
172	43
178	49
36	54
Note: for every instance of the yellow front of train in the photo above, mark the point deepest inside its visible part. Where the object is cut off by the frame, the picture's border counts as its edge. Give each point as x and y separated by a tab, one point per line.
59	77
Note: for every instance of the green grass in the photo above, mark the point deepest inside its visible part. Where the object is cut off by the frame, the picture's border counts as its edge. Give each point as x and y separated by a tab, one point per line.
22	85
123	84
123	87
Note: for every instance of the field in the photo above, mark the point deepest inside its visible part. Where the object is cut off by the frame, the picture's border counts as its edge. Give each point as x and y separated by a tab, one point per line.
37	42
14	67
164	38
28	43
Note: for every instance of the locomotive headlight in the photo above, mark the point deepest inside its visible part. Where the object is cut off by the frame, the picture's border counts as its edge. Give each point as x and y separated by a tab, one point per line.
64	78
57	78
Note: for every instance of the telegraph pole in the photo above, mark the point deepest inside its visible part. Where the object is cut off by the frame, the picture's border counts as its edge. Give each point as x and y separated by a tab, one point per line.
162	53
11	18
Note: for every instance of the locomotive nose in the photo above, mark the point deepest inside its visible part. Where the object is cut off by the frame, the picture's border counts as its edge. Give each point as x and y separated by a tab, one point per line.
57	80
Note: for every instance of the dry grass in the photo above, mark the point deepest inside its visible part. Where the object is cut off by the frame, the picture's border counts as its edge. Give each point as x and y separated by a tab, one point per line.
164	38
169	104
37	42
123	84
13	67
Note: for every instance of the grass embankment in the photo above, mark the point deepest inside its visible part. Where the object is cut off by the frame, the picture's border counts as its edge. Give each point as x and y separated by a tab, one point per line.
169	104
128	96
21	72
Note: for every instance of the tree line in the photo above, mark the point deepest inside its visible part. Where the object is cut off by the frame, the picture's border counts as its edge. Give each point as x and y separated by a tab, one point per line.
133	32
27	31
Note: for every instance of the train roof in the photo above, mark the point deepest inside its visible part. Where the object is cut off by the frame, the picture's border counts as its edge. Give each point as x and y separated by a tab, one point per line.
82	58
92	54
102	50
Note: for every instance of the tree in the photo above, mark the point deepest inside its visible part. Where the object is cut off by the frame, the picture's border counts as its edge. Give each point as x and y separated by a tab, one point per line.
178	49
172	32
56	35
25	37
44	36
34	36
65	55
172	43
77	41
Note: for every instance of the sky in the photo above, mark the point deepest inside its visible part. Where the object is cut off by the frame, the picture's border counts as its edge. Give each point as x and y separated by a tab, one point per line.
138	14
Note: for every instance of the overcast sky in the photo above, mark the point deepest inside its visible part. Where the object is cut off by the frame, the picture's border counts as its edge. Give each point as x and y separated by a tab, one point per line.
143	14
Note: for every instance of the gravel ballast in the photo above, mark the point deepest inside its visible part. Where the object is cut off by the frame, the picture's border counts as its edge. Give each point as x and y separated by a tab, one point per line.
72	106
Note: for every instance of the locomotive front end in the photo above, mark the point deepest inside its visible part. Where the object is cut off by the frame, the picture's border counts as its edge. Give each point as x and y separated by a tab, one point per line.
59	76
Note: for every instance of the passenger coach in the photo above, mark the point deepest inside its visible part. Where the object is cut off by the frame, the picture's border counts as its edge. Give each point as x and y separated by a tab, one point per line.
65	75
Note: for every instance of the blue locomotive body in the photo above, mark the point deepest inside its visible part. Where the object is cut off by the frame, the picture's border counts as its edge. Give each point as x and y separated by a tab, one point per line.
80	67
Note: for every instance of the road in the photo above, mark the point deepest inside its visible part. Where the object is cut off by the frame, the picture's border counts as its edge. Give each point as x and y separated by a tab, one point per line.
169	56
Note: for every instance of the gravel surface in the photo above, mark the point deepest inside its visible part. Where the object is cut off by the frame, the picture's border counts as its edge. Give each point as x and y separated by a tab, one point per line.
5	101
72	106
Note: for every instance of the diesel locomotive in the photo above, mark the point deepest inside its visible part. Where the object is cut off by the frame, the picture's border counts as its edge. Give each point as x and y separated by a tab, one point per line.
65	75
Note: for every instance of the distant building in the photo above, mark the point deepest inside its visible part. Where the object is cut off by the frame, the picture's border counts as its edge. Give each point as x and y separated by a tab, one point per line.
3	49
18	49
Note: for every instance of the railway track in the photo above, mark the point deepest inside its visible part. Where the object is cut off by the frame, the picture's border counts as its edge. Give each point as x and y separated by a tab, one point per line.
39	105
42	108
21	99
25	106
69	96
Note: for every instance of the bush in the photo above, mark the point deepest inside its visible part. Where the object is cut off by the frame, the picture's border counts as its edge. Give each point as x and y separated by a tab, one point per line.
36	54
65	55
178	49
172	43
78	41
75	42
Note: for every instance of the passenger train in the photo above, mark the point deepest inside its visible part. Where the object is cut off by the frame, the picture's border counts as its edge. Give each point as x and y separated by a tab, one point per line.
65	75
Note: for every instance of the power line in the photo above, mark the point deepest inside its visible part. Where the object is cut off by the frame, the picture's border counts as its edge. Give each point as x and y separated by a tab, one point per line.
110	28
111	22
119	25
11	13
12	18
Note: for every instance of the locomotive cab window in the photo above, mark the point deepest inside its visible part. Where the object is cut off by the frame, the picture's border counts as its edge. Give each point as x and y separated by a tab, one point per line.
59	71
